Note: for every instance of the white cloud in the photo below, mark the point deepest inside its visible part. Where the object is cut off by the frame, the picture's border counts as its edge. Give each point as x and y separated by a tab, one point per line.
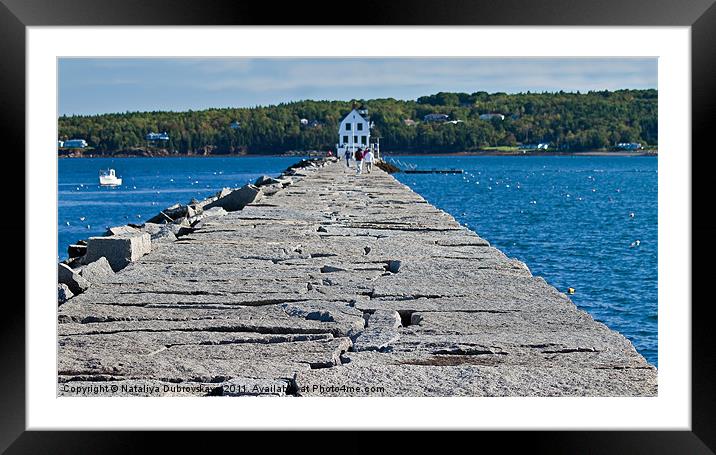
440	74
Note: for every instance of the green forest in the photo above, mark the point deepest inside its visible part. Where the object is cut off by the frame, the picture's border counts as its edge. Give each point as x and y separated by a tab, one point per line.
596	120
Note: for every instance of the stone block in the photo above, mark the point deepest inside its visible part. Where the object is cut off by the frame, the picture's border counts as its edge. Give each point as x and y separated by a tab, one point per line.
98	271
119	250
63	293
73	280
237	199
77	250
122	230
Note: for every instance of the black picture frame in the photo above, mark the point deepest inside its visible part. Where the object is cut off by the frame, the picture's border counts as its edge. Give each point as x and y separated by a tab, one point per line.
700	15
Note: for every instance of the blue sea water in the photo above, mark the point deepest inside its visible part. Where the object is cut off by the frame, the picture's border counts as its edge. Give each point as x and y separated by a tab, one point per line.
573	220
149	185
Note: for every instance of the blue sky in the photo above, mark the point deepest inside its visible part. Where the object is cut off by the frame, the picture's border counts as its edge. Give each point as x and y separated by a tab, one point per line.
102	85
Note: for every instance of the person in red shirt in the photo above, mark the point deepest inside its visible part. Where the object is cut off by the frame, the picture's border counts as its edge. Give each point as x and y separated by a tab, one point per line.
359	161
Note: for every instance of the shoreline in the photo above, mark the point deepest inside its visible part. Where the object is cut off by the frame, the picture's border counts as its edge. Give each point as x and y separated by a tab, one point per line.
430	154
499	153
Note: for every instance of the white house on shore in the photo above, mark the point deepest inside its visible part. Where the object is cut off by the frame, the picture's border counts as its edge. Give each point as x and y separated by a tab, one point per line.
157	136
539	146
492	115
354	131
629	146
75	144
436	118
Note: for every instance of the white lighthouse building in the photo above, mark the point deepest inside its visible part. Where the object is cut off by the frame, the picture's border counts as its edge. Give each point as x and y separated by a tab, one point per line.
354	132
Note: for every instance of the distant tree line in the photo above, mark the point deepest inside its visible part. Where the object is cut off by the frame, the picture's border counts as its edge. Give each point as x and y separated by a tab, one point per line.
568	121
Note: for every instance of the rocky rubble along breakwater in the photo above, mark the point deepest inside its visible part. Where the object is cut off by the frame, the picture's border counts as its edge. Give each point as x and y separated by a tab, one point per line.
122	245
321	282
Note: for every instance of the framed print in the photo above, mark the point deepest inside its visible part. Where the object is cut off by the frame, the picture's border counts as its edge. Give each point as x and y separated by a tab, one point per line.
422	217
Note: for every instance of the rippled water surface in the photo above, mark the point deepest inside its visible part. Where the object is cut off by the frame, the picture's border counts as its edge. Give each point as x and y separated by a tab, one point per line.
149	185
573	220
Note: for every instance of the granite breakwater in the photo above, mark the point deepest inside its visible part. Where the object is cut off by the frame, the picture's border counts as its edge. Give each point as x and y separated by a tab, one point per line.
321	282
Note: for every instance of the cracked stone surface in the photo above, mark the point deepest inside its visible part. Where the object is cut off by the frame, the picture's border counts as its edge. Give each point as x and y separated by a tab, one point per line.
381	331
337	285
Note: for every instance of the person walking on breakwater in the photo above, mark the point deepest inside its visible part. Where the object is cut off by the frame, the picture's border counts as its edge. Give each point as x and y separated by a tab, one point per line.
348	158
368	158
359	161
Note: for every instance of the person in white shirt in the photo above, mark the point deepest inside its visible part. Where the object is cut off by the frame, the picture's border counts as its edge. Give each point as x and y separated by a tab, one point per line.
368	158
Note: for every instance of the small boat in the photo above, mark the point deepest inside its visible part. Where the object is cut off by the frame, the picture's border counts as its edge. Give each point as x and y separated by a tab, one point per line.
108	178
